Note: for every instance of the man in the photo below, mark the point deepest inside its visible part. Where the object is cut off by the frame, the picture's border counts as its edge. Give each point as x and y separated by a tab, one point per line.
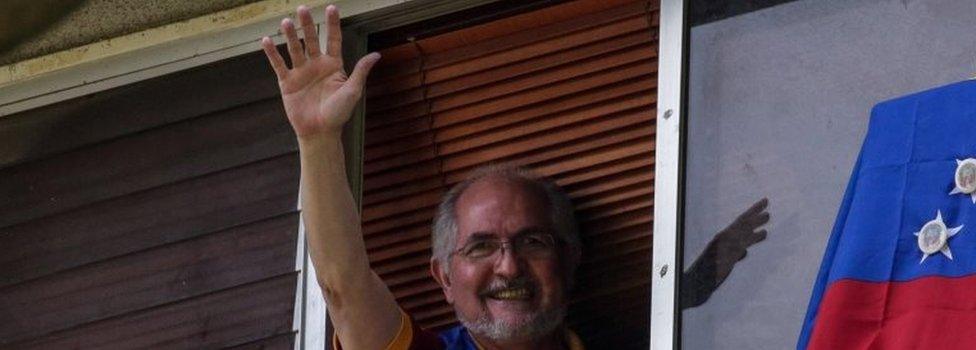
505	243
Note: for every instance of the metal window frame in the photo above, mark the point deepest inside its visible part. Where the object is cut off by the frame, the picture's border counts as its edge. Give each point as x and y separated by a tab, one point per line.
668	177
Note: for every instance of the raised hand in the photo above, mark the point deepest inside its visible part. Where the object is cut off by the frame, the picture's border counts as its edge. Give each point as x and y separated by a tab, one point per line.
319	99
722	253
318	95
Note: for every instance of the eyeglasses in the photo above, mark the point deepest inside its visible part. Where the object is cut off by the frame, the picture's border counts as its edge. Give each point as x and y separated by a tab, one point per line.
529	246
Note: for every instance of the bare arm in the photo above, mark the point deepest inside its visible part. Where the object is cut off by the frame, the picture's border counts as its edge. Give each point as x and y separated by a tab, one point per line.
319	98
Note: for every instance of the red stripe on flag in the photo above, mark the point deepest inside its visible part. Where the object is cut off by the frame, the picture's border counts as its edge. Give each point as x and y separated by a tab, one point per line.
926	313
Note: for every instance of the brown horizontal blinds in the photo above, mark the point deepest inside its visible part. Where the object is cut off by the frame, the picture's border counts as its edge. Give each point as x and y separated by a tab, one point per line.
569	91
161	214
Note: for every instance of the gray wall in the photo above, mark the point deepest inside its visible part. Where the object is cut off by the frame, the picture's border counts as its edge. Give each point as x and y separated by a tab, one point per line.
779	104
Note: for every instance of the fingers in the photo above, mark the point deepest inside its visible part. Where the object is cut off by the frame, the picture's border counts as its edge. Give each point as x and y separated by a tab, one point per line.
756	208
358	77
755	216
741	255
757	220
277	63
333	38
755	237
308	29
295	50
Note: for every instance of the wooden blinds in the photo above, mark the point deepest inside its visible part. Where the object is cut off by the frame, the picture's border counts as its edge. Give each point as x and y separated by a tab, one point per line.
570	91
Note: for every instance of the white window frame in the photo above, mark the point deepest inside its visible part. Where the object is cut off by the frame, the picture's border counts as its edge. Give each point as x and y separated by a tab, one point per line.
669	155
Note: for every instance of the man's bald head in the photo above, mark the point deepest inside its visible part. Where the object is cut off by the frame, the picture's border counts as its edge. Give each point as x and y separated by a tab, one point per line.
558	205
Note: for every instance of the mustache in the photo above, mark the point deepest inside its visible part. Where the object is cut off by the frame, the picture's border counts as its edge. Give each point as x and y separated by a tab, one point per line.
498	285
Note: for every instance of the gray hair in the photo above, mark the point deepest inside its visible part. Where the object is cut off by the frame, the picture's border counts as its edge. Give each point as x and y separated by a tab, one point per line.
445	227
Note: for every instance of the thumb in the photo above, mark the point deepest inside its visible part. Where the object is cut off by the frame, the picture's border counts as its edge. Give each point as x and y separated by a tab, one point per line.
358	77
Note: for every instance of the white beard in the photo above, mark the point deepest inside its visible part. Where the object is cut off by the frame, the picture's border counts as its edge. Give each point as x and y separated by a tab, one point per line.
536	325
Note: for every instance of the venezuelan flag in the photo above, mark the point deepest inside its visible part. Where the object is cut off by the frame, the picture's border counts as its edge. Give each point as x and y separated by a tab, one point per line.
899	271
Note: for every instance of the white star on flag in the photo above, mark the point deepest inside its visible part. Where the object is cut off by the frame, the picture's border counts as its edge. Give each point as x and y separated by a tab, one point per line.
934	237
965	178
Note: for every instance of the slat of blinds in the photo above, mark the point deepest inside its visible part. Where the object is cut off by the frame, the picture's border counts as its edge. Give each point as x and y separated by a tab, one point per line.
419	216
629	271
551	76
629	263
566	106
623	148
414	273
599	265
596	170
486	70
645	159
406	274
385	269
606	39
422	230
632	177
410	146
464	161
619	206
570	161
566	87
567	103
620	235
531	140
596	300
625	229
618	221
527	52
574	99
417	220
601	165
406	234
597	238
511	33
392	193
629	103
420	219
422	300
624	225
420	244
553	113
547	108
419	287
479	103
628	120
597	204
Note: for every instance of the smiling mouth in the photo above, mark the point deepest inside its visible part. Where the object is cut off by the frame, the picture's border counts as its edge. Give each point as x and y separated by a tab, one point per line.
521	293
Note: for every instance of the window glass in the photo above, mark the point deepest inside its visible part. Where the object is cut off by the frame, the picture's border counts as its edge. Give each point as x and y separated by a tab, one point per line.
779	103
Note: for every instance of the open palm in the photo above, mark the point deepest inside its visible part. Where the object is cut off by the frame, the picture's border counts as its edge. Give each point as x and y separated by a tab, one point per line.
318	95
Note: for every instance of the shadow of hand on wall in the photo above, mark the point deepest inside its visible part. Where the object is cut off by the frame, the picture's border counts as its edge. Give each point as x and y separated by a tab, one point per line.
728	247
